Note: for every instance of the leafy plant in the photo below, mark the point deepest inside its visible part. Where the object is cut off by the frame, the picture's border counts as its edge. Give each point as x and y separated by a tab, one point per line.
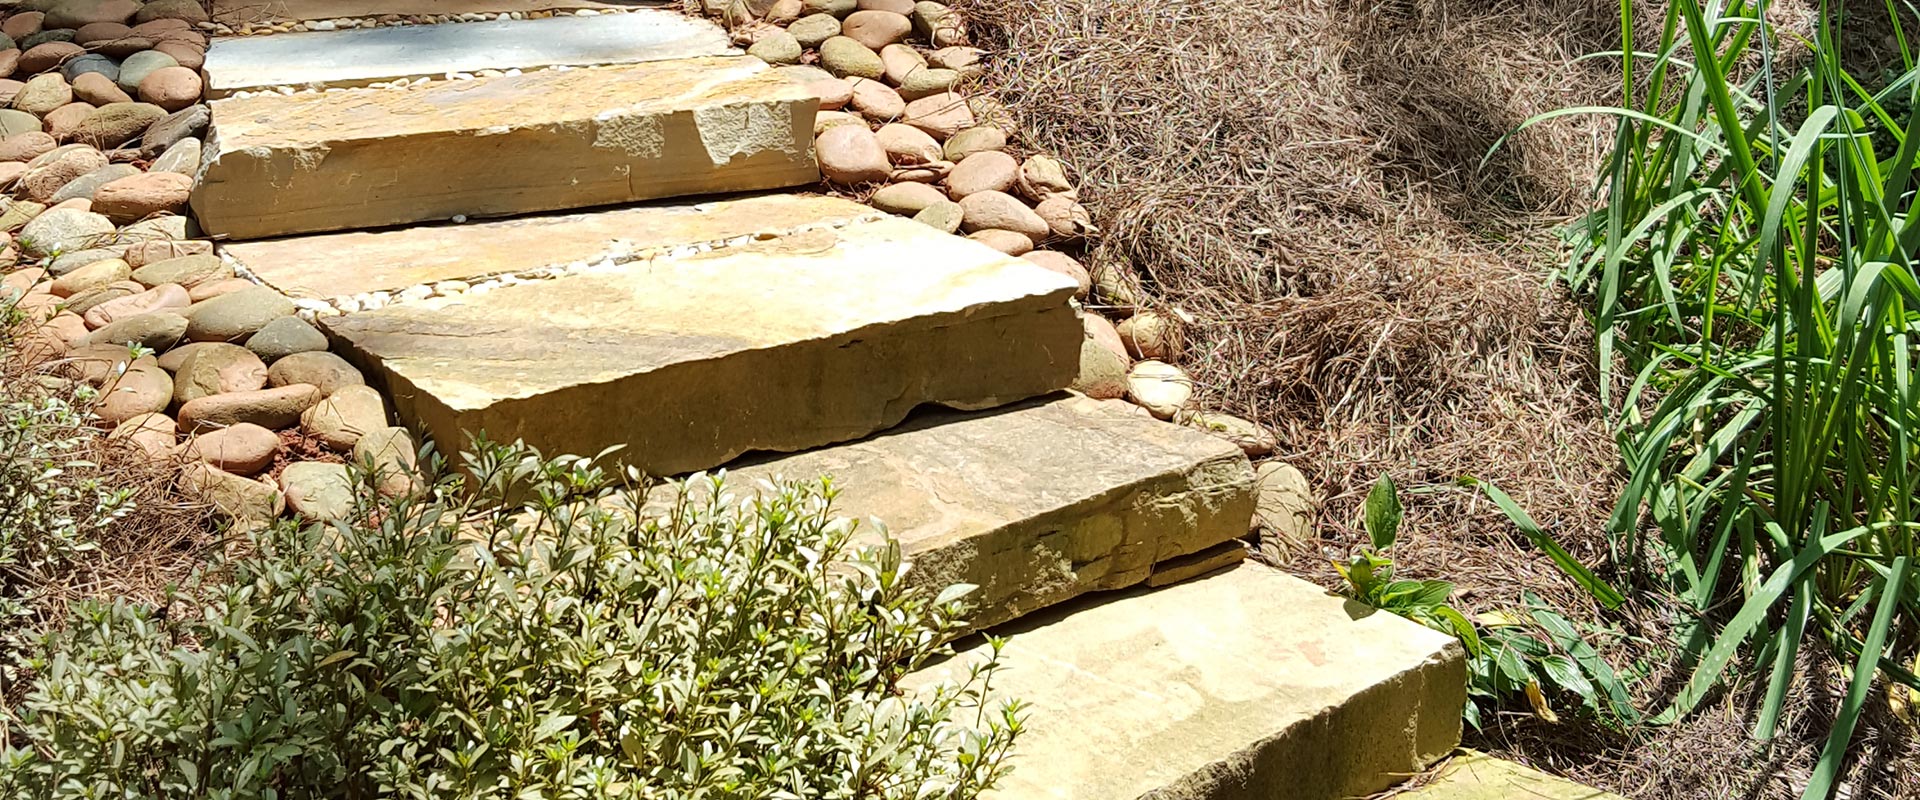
1505	660
533	637
1751	273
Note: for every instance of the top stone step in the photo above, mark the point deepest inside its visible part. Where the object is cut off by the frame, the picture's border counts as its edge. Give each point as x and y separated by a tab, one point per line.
238	12
357	57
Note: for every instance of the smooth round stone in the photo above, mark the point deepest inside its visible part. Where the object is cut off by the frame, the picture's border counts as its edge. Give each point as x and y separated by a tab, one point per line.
218	368
1116	286
1065	217
1010	242
26	146
846	58
1103	373
62	229
74	259
244	449
98	90
877	101
22	24
901	7
187	271
85	301
876	29
96	363
16	213
1161	388
63	121
276	408
851	155
1102	331
937	24
172	359
959	59
941	115
900	61
778	47
284	337
39	56
813	30
13	122
75	13
325	371
837	8
1002	211
139	65
91	276
43	93
906	199
187	123
55	36
245	501
91	64
213	289
907	145
166	297
85	185
318	491
154	433
143	194
928	82
115	124
339	421
182	158
169	227
986	171
142	389
175	88
1042	177
833	92
394	457
189	11
944	216
234	317
1252	439
154	251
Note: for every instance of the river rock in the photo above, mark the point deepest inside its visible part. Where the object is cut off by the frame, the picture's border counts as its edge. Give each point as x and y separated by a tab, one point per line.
944	216
84	187
154	434
91	276
992	210
318	491
62	229
905	199
1103	374
155	331
188	271
877	101
1065	265
339	421
243	449
875	29
154	251
191	11
138	66
45	56
165	297
906	144
1252	439
43	93
777	47
275	408
75	13
176	88
142	195
284	337
53	170
392	455
327	372
64	121
114	124
985	171
1159	387
1011	243
142	389
27	146
1284	505
847	58
247	502
98	89
812	30
851	155
90	64
187	123
940	115
234	317
217	368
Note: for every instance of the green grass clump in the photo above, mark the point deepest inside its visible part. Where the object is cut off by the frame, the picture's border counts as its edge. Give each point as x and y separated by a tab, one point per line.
1752	274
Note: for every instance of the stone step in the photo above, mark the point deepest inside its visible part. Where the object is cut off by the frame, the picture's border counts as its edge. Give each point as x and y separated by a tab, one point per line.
238	12
1242	685
360	56
1477	776
1035	503
540	141
711	337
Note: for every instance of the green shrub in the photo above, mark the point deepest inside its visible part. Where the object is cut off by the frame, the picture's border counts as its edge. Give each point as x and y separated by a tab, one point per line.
544	647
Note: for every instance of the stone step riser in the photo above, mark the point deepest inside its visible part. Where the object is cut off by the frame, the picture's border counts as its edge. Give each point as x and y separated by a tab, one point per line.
1244	685
541	141
1035	504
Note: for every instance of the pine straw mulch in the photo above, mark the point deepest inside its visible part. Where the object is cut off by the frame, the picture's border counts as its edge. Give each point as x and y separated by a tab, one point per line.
1305	178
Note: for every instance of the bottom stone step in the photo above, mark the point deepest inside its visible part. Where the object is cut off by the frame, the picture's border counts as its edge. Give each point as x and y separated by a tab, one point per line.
1245	684
1478	776
1035	503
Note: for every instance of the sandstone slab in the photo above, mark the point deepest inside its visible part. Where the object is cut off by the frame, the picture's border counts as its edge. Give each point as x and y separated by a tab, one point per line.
1035	503
1242	685
237	12
344	264
540	141
359	56
1478	776
692	359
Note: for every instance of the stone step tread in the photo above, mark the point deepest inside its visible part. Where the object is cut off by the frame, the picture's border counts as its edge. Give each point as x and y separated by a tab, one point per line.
1035	503
236	12
1471	775
395	259
1248	683
694	358
501	146
360	56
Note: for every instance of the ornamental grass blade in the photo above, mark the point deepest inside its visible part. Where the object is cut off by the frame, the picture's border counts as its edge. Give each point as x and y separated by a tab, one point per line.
1827	771
1600	589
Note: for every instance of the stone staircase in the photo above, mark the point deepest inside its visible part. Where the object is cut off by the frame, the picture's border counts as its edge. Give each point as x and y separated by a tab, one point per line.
468	241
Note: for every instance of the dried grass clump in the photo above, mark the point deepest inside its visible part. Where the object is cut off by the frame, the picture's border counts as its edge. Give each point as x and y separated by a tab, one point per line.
1304	178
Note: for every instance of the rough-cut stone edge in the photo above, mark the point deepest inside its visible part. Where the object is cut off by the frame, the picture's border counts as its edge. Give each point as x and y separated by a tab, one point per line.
225	79
1406	716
